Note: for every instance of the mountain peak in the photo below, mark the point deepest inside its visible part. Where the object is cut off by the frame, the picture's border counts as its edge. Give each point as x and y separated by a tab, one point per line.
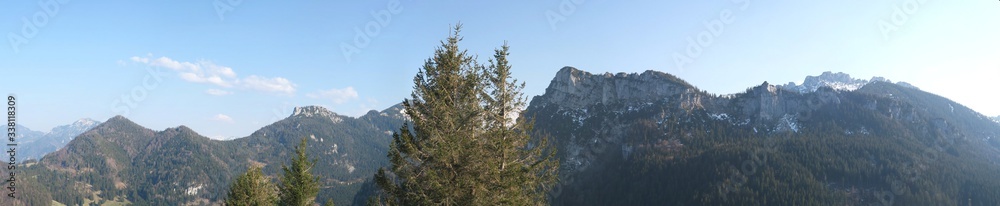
119	121
576	88
837	81
85	122
182	129
570	74
766	88
118	118
77	127
568	69
316	111
309	111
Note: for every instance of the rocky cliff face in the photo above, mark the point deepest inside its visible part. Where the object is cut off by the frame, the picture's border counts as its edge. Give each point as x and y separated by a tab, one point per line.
767	107
318	111
574	88
768	102
610	126
592	102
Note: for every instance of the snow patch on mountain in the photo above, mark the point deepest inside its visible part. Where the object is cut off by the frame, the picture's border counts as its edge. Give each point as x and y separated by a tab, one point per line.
720	116
787	123
72	130
85	123
838	81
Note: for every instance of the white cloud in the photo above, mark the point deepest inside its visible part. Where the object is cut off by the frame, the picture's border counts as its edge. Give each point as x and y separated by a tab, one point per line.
210	73
140	60
198	72
222	118
277	84
338	96
218	92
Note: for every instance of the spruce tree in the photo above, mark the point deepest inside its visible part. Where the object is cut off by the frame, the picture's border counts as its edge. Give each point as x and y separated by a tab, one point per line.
298	185
251	188
462	146
521	172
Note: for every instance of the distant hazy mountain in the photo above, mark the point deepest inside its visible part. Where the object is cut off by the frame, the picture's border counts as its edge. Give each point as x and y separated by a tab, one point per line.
26	135
122	161
837	81
653	139
34	144
996	119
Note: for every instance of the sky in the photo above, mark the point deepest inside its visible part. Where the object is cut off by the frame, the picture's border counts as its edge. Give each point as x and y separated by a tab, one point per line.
226	68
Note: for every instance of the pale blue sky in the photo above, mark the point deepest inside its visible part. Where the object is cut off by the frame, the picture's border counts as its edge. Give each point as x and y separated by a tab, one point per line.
261	58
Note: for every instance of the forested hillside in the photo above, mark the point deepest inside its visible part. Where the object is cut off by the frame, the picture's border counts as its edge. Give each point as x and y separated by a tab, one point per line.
120	161
880	144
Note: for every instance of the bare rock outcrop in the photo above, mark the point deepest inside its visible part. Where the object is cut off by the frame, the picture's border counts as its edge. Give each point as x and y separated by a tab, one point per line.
574	88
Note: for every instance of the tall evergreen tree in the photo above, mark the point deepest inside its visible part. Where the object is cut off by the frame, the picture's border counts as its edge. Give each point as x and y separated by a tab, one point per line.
252	189
462	146
298	185
519	172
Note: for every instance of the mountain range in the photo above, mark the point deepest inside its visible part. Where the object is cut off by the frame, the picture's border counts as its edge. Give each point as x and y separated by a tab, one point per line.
654	139
120	161
836	81
628	138
35	144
